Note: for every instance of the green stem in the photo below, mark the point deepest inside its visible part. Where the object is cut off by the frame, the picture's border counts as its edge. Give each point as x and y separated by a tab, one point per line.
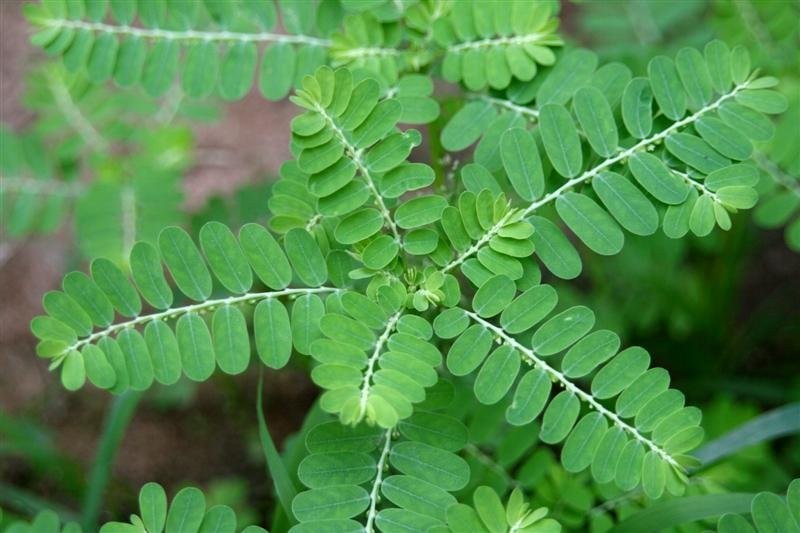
116	422
276	468
186	35
174	312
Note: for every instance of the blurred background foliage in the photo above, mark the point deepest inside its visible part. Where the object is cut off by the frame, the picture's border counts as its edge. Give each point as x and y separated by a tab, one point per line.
721	312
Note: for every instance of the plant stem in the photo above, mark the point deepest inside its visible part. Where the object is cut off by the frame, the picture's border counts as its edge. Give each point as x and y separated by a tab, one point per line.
116	422
376	353
529	113
250	297
355	155
276	468
187	35
516	40
376	486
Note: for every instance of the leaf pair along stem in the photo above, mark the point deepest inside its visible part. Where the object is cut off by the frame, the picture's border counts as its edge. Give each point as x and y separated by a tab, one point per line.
355	155
208	305
531	357
376	353
587	175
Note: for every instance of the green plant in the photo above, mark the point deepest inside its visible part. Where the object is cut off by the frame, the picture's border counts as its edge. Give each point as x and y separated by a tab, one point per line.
413	291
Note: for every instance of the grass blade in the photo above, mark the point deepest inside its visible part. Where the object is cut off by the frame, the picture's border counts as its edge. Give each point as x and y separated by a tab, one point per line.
116	422
670	513
276	468
782	421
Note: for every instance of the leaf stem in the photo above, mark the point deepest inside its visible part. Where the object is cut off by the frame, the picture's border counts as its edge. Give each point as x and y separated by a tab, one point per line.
499	41
250	297
532	114
351	54
116	423
702	189
73	114
355	155
376	485
187	35
554	374
376	353
276	468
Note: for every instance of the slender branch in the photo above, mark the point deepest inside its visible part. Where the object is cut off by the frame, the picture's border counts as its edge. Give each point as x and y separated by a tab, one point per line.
41	187
73	114
592	172
355	155
528	112
499	41
116	422
313	221
777	175
376	485
208	305
702	189
351	54
376	353
554	374
187	35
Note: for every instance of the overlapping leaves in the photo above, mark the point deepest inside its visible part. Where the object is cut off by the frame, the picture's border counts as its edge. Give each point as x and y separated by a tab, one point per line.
212	46
374	362
693	168
365	477
80	334
224	48
363	42
352	166
488	514
391	461
641	439
491	44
